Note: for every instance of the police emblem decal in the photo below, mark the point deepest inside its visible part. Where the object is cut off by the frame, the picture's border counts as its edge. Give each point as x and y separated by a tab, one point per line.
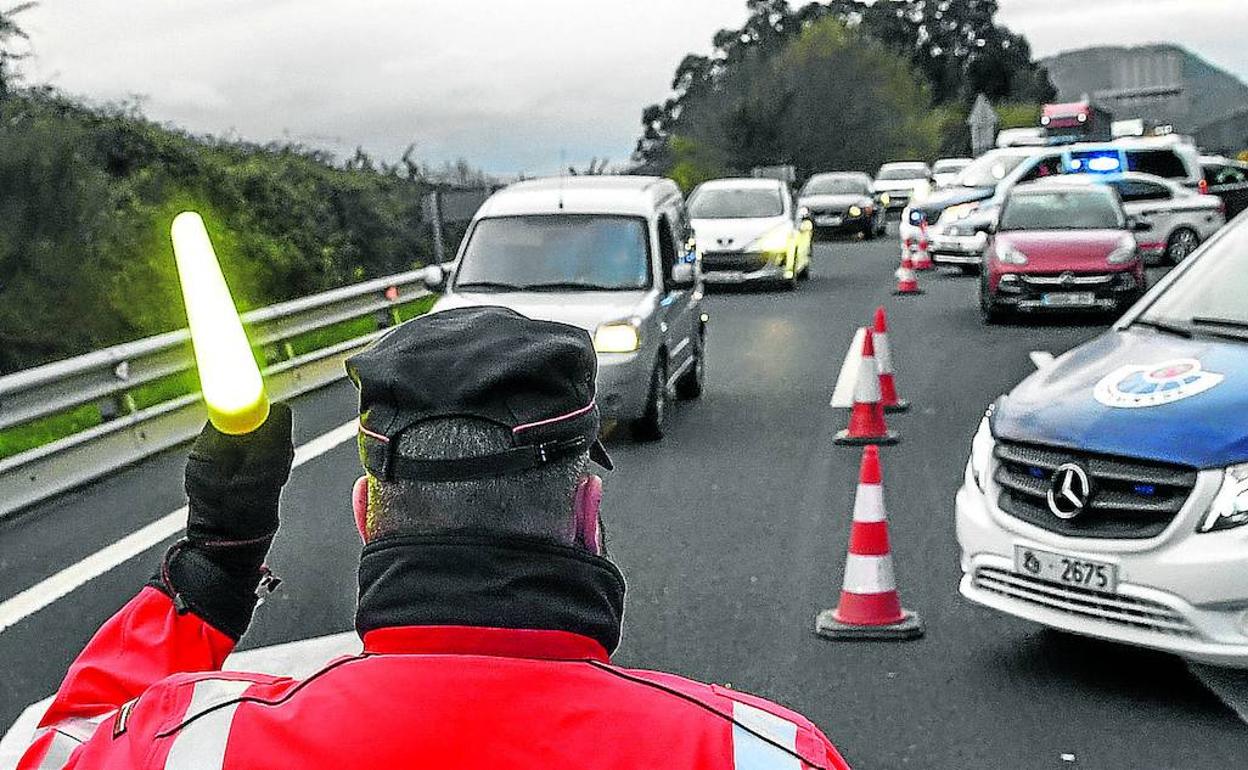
1136	386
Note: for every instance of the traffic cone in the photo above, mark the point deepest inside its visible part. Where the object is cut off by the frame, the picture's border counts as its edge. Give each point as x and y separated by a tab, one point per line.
907	281
866	416
923	256
869	607
884	360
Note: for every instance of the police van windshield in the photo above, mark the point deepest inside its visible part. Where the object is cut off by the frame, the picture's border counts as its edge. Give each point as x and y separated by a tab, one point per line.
1208	298
917	171
738	203
1062	210
990	169
836	185
547	253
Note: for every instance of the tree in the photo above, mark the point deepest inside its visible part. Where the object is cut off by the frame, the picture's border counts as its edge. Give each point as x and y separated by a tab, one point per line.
10	32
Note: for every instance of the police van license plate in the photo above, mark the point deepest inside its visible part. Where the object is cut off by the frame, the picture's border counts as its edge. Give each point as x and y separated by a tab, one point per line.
1065	570
827	221
1069	299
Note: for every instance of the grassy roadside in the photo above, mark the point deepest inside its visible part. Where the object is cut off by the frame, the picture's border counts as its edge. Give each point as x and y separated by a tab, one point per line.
22	438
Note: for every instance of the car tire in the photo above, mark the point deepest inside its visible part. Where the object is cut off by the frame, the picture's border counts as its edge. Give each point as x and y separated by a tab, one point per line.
804	273
868	232
649	427
989	311
690	384
1181	244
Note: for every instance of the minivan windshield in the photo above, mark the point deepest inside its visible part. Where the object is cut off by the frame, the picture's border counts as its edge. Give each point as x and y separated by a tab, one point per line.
1208	297
735	203
990	169
553	252
1062	210
836	185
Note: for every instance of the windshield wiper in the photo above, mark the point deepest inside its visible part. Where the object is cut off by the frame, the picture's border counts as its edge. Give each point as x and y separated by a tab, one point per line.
488	286
1163	326
1232	327
574	285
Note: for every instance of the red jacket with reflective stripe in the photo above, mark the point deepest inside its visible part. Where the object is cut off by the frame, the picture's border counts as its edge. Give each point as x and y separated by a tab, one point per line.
419	696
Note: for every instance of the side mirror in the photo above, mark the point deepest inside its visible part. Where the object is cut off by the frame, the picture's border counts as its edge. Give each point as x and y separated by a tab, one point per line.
1138	225
682	275
803	213
434	277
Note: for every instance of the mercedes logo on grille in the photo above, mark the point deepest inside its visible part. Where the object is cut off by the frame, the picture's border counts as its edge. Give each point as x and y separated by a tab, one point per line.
1069	491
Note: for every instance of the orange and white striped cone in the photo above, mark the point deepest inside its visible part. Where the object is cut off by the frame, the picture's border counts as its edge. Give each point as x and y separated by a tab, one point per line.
866	416
907	281
884	360
870	607
923	255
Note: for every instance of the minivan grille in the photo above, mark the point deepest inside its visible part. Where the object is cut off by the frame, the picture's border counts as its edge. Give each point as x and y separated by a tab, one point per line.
1114	608
1129	498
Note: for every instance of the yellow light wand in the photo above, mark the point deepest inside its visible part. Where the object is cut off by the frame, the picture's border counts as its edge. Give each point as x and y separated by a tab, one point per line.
228	375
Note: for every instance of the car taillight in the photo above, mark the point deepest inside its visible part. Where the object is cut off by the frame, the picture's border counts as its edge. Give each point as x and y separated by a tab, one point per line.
1203	186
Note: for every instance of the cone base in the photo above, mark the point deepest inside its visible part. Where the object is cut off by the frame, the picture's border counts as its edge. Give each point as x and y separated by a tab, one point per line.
900	293
843	438
902	405
828	627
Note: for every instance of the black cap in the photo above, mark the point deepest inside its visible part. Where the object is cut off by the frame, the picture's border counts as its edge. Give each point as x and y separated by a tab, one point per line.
533	377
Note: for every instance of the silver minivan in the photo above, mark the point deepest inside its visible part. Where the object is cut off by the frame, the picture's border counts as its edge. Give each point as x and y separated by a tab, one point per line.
613	255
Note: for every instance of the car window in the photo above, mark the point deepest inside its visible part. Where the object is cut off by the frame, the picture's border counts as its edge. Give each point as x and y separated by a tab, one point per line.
1061	210
1162	163
556	251
1050	166
668	249
1214	287
836	185
1131	190
1225	174
735	203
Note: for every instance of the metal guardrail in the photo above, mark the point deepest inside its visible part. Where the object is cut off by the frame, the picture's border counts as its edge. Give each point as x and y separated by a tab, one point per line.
109	377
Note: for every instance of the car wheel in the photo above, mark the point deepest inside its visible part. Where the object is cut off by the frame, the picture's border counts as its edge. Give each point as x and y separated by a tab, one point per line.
649	427
1181	244
689	386
989	311
868	233
804	273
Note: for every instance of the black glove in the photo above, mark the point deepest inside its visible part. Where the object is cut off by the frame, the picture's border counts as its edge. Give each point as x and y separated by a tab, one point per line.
233	484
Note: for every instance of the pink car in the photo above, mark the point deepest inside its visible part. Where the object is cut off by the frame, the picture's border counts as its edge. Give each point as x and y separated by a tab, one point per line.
1061	245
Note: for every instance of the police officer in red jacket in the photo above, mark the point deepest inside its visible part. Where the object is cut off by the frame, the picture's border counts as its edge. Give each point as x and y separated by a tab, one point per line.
487	607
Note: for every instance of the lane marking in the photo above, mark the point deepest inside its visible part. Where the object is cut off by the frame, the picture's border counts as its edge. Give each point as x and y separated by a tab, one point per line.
1229	685
21	606
1041	358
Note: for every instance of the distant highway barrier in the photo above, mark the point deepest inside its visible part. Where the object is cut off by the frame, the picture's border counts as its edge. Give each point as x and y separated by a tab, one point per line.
145	391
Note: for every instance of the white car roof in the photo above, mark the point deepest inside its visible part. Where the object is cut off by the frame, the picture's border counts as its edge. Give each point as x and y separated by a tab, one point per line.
742	183
904	164
620	195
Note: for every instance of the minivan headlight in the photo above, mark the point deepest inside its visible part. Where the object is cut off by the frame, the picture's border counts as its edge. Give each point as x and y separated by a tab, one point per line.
1230	506
981	452
775	241
617	337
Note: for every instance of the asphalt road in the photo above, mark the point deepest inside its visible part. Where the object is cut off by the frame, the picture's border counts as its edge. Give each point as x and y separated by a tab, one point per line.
732	532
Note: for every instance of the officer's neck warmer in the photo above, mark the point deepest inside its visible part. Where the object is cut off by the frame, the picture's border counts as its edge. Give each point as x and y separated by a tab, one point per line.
489	581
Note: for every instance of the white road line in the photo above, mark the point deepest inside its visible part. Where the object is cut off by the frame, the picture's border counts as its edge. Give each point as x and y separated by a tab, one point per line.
44	593
1041	358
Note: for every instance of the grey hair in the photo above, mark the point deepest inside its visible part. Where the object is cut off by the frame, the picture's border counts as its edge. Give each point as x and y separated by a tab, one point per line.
538	502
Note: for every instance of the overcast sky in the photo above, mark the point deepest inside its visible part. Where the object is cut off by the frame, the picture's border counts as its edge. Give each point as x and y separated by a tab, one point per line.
510	85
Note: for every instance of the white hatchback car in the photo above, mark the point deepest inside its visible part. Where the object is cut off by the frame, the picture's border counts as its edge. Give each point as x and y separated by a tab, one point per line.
750	230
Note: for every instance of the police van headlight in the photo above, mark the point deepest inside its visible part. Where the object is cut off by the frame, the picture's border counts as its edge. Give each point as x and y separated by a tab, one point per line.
617	337
1230	506
981	452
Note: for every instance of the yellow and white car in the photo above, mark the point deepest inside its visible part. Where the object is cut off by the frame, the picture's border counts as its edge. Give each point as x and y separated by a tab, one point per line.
750	230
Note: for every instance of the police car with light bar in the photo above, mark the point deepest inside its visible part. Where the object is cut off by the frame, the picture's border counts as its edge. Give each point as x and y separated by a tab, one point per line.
1107	494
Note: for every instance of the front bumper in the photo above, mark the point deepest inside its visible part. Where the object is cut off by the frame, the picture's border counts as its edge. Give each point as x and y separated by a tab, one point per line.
747	269
957	249
1180	592
1034	292
623	384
